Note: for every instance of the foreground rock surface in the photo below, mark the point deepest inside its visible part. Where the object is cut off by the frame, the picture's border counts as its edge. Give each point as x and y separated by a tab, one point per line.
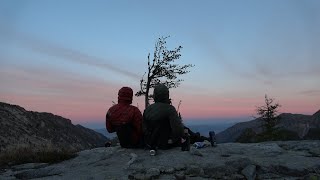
269	160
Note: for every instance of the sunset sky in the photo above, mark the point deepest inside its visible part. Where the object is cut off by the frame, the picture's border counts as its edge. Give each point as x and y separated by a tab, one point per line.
71	57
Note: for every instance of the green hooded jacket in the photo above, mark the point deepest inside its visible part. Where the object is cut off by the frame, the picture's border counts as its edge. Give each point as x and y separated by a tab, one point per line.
161	121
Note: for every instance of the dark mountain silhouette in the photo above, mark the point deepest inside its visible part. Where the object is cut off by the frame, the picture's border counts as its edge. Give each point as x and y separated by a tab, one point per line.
316	119
105	133
304	126
20	128
202	128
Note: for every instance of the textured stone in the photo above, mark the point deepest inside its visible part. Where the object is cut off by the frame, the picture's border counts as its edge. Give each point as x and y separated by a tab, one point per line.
312	176
153	172
179	167
180	176
195	152
108	163
169	170
249	172
132	159
29	166
194	171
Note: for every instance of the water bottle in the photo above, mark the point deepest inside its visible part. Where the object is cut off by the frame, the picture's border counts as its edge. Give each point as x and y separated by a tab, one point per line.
152	152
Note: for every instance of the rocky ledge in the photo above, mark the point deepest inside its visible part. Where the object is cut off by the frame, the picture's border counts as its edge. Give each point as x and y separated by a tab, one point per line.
268	160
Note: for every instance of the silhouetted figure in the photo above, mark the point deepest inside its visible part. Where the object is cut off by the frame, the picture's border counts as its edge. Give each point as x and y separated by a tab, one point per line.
162	126
125	120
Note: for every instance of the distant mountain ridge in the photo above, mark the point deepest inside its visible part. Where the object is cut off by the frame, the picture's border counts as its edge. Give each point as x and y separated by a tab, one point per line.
105	133
20	128
203	129
301	124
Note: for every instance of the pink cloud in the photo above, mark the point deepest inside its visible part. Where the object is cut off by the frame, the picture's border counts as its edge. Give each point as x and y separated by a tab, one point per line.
300	105
203	106
84	99
72	96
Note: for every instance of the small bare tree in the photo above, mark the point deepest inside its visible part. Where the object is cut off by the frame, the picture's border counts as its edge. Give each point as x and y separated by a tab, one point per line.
269	113
161	69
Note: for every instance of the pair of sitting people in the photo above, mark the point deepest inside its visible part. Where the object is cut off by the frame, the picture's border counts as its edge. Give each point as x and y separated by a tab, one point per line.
160	127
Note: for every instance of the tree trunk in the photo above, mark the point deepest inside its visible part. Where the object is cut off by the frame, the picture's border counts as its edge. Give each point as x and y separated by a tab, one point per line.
147	93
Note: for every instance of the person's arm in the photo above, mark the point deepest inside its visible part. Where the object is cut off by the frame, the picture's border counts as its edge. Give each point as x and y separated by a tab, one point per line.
137	122
144	126
109	126
176	124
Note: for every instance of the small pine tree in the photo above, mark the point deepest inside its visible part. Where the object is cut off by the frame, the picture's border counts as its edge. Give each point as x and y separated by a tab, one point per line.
269	113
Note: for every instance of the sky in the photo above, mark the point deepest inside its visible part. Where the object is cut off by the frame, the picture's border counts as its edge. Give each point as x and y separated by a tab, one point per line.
71	57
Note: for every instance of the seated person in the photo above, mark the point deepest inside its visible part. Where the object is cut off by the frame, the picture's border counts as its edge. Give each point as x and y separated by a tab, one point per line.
162	125
125	120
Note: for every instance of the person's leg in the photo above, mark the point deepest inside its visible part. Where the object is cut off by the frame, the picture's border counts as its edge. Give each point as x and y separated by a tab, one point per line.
164	138
124	133
212	137
140	144
196	137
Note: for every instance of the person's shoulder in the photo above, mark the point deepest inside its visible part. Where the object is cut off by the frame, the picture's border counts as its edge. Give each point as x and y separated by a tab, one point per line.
163	106
150	107
168	108
171	107
134	108
113	107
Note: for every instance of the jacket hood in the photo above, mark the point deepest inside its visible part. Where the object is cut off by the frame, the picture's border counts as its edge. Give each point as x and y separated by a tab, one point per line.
161	94
125	95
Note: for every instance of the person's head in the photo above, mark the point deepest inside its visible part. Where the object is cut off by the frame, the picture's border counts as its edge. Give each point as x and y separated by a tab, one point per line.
161	94
125	94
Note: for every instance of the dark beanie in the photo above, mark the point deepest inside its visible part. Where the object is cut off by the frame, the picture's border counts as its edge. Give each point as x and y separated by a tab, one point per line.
161	93
125	93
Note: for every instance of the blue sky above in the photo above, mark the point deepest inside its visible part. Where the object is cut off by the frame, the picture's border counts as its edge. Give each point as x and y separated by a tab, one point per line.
68	57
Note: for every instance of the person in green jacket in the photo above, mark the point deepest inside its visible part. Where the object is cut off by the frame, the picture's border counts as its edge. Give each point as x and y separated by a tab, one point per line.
162	126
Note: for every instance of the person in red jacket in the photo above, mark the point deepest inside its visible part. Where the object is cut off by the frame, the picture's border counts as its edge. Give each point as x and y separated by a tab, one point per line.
125	120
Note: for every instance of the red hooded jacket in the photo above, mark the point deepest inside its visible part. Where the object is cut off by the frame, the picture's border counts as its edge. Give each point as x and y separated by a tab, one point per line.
124	113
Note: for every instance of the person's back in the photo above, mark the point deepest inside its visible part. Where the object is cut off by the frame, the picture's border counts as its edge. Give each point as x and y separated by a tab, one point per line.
125	120
161	121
